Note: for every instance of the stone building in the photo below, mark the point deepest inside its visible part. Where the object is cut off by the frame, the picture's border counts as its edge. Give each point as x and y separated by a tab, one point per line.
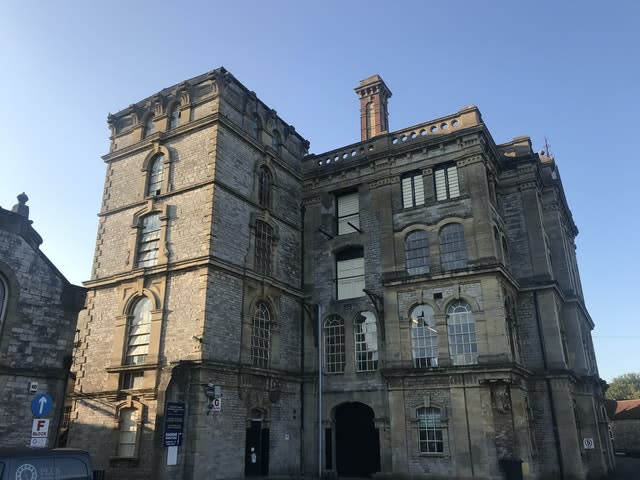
38	312
429	272
624	416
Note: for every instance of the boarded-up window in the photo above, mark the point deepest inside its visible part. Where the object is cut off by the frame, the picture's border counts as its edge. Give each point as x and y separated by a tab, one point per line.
446	179
412	190
350	273
348	213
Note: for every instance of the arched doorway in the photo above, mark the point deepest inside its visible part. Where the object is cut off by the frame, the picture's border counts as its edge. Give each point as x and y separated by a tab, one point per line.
357	441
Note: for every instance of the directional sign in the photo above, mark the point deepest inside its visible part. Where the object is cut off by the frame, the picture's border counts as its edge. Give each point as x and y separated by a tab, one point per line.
41	405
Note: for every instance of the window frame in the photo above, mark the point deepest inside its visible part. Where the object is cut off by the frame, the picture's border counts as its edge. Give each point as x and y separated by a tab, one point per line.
261	335
424	338
148	241
334	344
429	421
446	182
155	177
461	333
133	427
453	251
138	331
412	189
265	183
366	357
348	211
412	250
263	248
348	261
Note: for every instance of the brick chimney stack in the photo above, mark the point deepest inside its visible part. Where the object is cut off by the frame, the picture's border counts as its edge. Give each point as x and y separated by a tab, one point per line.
374	116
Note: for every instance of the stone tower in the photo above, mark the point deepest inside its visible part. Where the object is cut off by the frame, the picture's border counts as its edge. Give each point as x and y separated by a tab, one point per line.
194	304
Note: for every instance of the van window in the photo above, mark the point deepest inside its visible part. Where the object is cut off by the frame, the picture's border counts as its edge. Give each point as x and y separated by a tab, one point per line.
71	469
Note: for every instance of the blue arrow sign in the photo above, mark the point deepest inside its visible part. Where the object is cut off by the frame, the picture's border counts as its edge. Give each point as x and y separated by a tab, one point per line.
41	405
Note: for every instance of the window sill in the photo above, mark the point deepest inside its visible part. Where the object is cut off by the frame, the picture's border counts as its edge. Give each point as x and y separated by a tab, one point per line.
132	368
123	459
432	454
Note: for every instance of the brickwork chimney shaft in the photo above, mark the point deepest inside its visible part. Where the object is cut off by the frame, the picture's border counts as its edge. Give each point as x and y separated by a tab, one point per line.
374	116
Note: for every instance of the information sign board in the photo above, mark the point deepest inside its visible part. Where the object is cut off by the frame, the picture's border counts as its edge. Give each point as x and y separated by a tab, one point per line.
174	424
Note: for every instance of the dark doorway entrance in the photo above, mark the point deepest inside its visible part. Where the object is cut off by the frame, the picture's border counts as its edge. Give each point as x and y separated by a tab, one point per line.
256	453
357	441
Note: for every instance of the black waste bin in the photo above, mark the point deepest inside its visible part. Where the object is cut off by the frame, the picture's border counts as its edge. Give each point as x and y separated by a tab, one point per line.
512	467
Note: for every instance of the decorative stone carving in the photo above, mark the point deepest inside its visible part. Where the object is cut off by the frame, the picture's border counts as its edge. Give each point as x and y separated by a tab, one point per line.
501	397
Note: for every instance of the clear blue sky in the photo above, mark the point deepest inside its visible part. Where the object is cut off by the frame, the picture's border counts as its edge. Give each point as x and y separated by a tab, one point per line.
565	70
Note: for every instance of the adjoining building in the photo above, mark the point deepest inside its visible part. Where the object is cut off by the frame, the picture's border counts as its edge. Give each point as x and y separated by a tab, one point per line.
429	272
38	313
624	417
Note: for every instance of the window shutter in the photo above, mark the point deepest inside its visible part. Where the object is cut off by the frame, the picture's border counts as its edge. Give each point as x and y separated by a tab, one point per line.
419	189
452	177
441	186
407	193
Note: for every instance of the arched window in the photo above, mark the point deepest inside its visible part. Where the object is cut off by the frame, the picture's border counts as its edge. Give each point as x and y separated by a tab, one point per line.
260	336
156	174
174	120
334	357
424	337
149	126
264	187
138	332
365	336
463	348
127	433
430	430
453	248
149	241
416	249
263	247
